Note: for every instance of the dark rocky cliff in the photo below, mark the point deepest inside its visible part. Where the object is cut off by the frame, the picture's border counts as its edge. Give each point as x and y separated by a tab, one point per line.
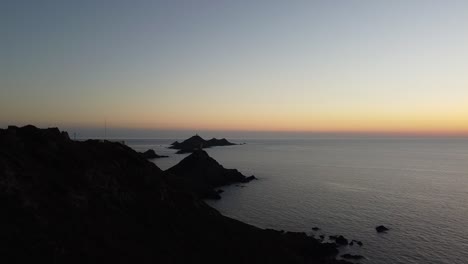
64	201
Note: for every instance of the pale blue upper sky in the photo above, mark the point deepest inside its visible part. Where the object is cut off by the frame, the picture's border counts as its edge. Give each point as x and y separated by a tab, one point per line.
235	65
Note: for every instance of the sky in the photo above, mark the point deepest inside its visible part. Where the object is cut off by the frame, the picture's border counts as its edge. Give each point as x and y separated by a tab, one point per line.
289	66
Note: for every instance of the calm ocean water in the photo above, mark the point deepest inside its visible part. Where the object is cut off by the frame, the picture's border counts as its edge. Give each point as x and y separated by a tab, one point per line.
416	187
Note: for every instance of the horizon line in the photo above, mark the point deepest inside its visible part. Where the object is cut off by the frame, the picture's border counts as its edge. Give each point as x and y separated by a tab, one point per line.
435	132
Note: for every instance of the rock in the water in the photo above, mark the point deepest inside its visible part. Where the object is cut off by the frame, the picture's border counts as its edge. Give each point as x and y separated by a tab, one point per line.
381	229
151	154
315	228
353	257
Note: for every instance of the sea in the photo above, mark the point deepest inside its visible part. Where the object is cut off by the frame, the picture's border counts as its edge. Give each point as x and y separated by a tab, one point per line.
417	187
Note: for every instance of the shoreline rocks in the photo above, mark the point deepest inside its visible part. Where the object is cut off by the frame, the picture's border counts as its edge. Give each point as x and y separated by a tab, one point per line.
340	240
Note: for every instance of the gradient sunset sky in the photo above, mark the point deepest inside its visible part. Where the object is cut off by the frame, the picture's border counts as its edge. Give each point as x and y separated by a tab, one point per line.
340	66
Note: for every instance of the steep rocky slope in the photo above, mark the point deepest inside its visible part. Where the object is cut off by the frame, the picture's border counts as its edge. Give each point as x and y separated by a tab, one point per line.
200	174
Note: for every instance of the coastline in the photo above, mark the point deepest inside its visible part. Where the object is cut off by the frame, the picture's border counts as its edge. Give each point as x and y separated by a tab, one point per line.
93	200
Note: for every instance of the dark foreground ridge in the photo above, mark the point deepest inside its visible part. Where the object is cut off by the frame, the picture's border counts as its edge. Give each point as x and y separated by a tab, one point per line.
197	142
200	174
65	201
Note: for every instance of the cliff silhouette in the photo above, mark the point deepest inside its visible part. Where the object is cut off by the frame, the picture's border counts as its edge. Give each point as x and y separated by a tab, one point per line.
65	201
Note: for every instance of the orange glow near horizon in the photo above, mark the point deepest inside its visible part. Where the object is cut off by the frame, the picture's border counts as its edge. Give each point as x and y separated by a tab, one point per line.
429	119
235	68
450	122
378	123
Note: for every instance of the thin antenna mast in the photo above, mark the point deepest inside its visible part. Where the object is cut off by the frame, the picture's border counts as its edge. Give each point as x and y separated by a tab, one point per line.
105	129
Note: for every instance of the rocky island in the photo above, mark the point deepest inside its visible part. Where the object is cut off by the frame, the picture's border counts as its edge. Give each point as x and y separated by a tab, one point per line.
196	142
65	201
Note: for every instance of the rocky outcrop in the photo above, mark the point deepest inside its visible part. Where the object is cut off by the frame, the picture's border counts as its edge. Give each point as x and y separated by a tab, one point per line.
339	240
200	174
64	201
381	229
196	142
151	154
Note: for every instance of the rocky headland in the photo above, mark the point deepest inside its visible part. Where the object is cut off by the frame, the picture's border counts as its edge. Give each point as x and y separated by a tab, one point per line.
200	174
196	142
65	201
